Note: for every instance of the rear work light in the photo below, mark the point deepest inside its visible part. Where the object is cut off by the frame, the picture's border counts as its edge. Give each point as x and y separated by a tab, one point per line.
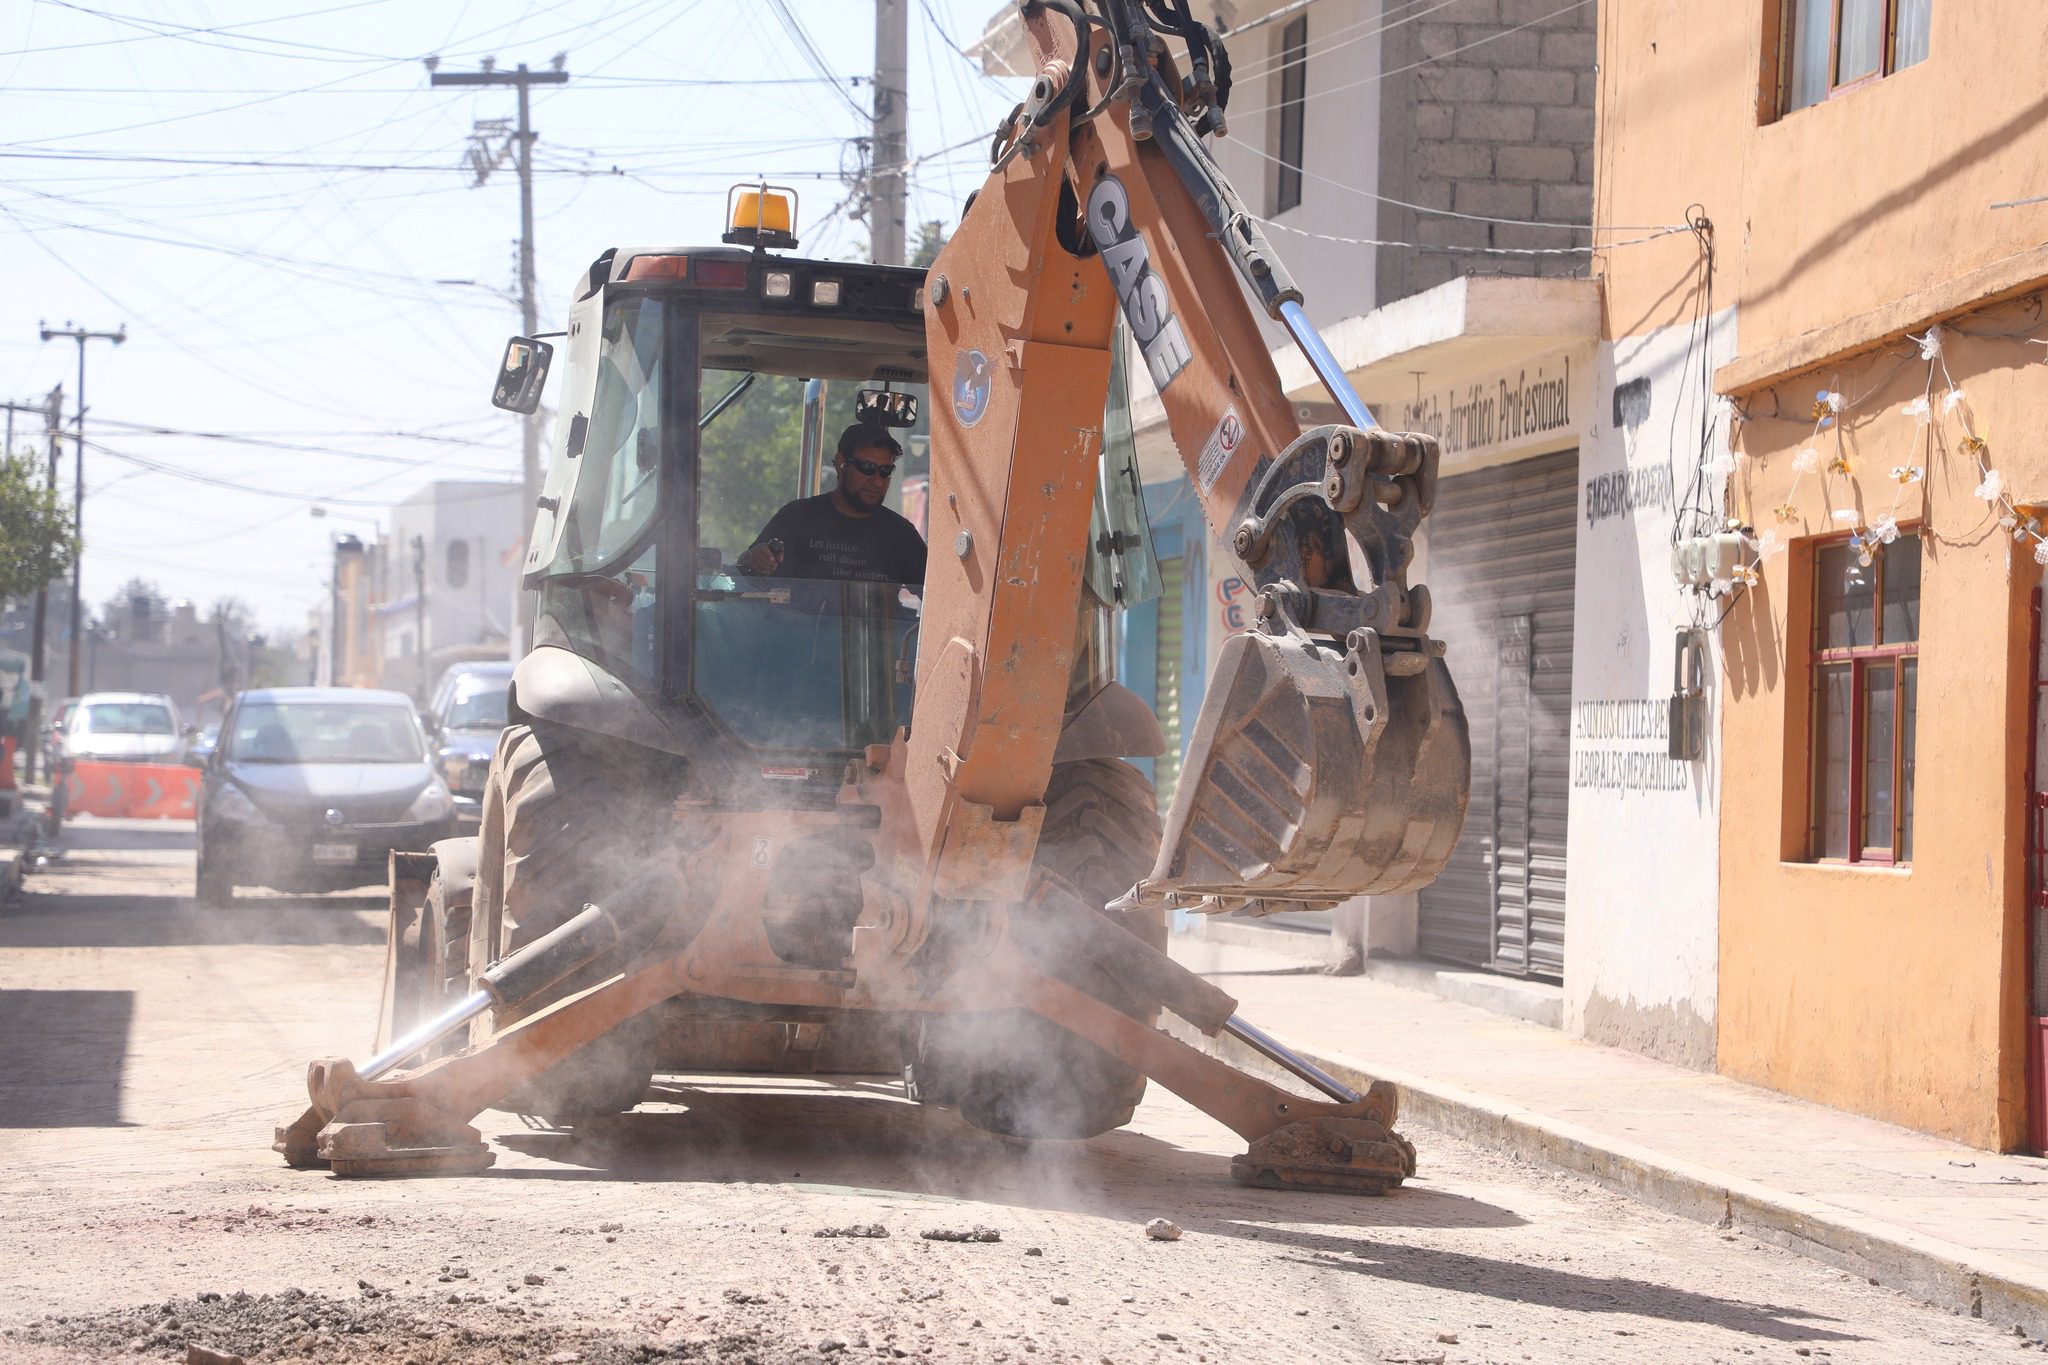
825	293
775	284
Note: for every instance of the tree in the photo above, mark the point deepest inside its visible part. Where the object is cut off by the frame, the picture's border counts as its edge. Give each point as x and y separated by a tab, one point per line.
232	623
931	240
747	458
37	543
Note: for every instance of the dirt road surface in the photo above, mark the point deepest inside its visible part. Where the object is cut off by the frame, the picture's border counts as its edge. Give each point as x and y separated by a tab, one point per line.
147	1047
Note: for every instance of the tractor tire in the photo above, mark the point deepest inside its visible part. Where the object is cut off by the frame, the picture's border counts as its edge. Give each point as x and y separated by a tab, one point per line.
1014	1072
213	881
444	945
567	816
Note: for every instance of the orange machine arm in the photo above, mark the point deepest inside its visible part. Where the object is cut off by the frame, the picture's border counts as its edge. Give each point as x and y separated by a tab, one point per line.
1330	758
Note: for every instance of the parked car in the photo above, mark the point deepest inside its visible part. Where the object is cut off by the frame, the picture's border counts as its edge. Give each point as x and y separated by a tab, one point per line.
122	727
467	713
311	788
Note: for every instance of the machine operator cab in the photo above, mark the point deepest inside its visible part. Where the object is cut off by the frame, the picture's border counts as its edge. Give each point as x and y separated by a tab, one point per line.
707	389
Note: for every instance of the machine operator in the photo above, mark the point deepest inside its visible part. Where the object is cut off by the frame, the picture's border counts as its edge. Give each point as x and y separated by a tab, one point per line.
845	533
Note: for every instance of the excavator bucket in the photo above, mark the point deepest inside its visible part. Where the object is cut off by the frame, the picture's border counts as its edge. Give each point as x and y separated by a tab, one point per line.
1314	776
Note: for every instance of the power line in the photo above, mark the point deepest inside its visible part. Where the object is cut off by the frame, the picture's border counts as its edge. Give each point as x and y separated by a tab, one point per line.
1479	250
1331	41
228	438
155	466
1376	77
808	50
1452	213
195	33
614	82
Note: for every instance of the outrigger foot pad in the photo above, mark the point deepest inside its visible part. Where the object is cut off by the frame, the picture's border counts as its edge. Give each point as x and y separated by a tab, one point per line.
354	1129
400	1137
1339	1155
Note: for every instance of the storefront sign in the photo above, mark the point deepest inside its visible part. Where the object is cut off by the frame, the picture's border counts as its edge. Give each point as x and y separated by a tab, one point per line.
1540	404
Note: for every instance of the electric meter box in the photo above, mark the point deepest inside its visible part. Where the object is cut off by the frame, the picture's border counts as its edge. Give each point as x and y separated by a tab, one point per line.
1700	560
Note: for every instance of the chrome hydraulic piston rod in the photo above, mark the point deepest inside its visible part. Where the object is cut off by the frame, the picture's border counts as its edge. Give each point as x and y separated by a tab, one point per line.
1326	367
508	981
1269	1047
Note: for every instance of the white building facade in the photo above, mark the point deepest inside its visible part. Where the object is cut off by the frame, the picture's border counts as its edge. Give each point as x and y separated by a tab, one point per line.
446	576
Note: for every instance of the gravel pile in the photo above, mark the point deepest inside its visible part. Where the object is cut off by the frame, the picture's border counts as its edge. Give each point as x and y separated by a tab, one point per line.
295	1325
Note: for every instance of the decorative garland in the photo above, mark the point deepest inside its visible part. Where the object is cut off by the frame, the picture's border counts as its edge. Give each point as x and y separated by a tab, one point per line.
1829	407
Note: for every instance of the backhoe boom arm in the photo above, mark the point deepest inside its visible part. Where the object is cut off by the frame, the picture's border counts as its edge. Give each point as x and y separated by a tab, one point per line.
1331	757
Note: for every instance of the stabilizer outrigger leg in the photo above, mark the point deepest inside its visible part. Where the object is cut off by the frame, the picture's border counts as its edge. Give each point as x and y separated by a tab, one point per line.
1345	1145
361	1124
1327	1153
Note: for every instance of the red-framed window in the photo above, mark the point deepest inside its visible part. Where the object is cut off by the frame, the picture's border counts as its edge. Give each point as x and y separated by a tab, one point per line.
1828	46
1864	689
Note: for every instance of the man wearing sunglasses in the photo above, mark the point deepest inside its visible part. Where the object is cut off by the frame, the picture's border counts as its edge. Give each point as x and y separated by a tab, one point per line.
847	532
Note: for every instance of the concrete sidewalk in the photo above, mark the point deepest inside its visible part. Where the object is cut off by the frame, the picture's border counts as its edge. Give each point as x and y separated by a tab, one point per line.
1961	1228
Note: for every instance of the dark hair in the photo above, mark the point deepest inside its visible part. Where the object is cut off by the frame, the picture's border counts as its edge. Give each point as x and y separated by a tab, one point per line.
869	436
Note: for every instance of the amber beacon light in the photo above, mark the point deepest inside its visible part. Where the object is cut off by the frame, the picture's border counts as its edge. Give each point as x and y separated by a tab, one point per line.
760	216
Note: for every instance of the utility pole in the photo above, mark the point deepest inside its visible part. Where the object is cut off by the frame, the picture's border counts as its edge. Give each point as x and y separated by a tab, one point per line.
888	205
81	336
419	609
523	139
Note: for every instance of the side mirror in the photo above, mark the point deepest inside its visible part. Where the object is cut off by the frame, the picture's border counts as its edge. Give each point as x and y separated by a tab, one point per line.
522	374
429	722
890	407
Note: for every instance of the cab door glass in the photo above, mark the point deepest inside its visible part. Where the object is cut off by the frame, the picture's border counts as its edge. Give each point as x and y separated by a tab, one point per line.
600	592
616	496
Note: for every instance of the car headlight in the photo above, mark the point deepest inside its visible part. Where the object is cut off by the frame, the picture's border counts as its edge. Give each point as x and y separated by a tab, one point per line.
433	803
232	803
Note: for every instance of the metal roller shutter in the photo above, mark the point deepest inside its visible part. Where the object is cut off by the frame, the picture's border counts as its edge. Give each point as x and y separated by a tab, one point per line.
1502	547
1172	584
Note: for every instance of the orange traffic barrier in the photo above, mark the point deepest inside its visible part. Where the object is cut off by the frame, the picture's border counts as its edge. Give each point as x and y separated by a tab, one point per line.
146	791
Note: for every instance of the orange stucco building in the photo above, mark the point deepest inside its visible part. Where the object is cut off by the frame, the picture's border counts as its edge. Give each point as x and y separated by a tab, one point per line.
1871	310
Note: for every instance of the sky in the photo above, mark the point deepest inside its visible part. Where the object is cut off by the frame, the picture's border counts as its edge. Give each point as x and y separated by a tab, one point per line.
271	199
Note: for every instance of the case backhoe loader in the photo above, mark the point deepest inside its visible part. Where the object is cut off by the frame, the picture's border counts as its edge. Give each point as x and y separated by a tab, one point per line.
755	822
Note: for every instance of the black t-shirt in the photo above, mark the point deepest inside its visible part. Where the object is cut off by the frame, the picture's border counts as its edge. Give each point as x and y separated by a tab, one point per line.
820	541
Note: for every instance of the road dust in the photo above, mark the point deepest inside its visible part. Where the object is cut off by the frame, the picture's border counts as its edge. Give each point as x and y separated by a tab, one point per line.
684	1230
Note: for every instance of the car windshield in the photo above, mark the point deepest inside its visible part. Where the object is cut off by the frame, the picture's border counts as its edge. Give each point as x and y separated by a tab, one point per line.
483	709
325	732
127	718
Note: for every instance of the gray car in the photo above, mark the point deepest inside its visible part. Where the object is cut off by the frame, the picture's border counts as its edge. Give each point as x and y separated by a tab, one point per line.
311	788
465	719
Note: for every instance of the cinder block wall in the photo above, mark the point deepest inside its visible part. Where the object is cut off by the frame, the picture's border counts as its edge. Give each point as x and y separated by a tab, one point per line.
1496	120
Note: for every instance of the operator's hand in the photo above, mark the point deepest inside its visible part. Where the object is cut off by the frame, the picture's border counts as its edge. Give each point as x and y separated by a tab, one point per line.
764	558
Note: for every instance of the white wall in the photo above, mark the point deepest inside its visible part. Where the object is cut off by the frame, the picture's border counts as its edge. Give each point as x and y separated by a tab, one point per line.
1641	926
1340	142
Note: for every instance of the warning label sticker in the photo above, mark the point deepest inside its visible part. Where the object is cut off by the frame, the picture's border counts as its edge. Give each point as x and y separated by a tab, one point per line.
1221	446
